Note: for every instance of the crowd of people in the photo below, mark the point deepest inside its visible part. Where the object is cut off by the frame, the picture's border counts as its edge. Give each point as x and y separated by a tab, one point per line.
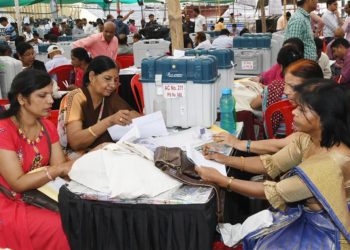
308	172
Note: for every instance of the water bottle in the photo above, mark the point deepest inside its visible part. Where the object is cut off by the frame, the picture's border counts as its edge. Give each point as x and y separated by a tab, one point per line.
159	102
227	110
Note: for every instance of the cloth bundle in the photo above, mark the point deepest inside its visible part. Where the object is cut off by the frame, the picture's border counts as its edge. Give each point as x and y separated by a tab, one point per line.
124	170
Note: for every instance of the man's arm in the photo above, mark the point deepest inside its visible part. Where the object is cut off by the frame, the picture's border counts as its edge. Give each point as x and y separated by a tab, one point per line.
85	43
127	15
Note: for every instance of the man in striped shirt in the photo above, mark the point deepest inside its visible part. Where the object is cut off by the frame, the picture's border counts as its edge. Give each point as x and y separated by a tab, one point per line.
299	26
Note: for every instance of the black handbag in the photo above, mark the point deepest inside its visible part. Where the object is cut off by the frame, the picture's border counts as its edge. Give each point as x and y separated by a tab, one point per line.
34	197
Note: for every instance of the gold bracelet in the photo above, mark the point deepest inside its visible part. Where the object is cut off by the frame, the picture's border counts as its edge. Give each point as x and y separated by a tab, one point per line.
92	132
242	163
229	183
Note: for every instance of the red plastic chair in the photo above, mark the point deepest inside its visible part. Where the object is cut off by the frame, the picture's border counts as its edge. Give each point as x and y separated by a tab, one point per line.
63	73
4	102
54	117
136	88
286	108
125	61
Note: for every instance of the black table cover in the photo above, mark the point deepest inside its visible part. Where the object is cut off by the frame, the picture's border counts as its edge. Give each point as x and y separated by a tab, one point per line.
105	225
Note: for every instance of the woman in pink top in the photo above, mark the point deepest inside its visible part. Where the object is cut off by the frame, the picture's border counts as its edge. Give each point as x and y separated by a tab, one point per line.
80	61
132	26
275	72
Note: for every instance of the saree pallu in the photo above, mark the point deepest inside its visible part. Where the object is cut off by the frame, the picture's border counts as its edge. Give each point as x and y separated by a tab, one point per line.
300	228
297	228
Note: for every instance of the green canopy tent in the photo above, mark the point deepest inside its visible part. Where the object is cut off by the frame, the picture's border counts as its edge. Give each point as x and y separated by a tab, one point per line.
10	3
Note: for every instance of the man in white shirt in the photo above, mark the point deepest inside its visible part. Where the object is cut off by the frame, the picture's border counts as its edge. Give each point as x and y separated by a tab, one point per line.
27	33
199	21
346	25
223	41
7	31
331	20
54	52
283	21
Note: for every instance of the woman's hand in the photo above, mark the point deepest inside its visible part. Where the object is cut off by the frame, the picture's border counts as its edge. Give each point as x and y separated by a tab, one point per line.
122	117
226	138
210	155
210	174
65	167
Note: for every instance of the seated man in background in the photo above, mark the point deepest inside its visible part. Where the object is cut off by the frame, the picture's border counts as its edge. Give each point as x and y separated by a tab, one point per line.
341	51
201	41
54	52
5	49
223	41
124	48
136	37
7	31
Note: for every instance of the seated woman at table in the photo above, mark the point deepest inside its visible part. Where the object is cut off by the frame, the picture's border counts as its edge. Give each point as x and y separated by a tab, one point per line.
26	55
27	142
287	55
311	175
80	60
295	74
89	111
275	72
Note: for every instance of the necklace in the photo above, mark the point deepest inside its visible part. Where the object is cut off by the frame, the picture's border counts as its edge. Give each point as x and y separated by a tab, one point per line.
36	163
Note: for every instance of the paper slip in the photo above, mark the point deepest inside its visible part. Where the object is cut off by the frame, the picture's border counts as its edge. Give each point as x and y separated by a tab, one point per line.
179	53
151	125
51	189
132	135
146	126
199	160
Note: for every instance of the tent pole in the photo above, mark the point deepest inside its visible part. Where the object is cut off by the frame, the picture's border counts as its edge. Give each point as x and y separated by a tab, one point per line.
263	17
284	10
175	24
18	17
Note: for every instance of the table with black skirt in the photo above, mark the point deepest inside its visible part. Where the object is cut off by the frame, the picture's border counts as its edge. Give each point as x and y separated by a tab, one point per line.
91	224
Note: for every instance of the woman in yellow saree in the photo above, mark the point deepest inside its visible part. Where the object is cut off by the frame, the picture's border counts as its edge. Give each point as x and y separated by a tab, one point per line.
309	176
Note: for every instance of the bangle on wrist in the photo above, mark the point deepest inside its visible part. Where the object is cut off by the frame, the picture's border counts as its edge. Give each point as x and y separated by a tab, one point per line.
48	174
249	142
242	163
229	183
92	132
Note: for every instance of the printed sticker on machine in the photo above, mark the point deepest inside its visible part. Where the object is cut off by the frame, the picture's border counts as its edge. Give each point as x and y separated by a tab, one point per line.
247	65
174	90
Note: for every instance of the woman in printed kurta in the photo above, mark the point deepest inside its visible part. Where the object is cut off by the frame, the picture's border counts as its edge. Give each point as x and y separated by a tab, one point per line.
309	176
86	113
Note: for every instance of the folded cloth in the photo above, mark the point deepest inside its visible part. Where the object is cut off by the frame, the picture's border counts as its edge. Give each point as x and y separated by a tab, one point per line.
122	170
